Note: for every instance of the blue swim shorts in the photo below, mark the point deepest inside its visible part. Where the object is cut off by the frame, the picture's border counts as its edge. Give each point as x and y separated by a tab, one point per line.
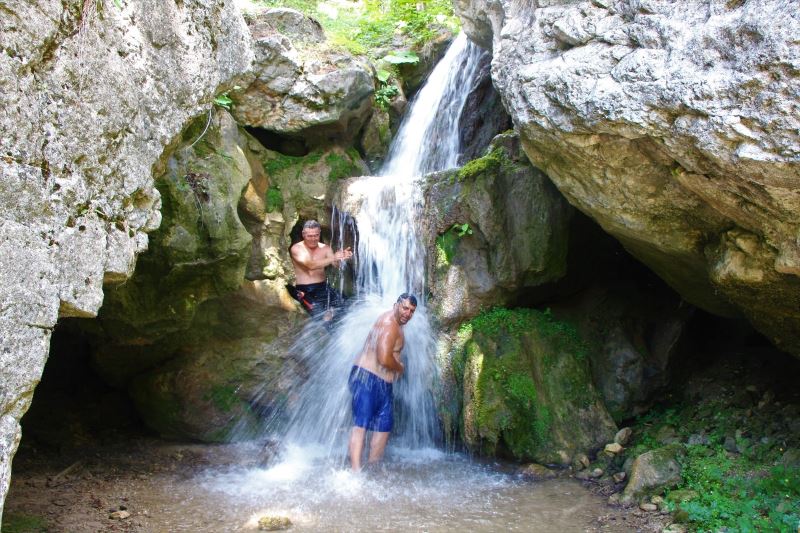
372	400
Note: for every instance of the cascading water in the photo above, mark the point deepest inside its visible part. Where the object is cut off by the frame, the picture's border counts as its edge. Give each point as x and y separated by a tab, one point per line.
418	487
390	262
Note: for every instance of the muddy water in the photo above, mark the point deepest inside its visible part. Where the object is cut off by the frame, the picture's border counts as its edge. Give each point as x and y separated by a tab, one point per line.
420	490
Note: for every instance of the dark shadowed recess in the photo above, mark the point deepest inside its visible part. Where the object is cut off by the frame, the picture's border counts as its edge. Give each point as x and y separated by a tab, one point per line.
72	406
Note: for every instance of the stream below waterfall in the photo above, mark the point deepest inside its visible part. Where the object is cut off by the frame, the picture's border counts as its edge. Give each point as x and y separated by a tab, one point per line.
174	487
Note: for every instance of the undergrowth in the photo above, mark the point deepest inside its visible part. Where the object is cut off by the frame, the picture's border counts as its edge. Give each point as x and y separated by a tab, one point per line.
370	28
734	477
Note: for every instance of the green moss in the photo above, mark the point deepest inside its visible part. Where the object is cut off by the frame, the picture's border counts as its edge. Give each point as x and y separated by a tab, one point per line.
491	162
23	523
340	166
223	397
274	199
532	376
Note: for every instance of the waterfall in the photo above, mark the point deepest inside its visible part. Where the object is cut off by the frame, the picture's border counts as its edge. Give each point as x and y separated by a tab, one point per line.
390	261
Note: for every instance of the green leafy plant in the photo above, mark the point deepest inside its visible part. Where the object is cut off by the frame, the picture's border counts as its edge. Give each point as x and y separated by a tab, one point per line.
224	101
274	199
385	94
401	58
462	229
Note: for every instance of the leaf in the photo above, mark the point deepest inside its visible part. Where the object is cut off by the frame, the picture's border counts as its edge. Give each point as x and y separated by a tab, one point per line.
223	100
383	75
400	58
118	3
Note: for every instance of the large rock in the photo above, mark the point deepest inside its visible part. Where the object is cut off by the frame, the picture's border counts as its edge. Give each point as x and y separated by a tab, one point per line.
526	388
302	90
492	228
653	472
674	126
638	335
216	270
91	95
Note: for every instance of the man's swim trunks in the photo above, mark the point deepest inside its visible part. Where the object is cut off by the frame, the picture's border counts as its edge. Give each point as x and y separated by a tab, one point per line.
372	401
317	297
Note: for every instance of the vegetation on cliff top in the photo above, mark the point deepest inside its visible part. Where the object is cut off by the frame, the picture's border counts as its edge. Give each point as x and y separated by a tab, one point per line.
370	27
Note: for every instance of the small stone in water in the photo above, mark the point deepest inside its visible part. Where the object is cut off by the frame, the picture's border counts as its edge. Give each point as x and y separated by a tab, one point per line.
273	523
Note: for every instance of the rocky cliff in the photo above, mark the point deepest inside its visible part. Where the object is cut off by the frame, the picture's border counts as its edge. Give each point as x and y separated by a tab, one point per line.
92	94
674	125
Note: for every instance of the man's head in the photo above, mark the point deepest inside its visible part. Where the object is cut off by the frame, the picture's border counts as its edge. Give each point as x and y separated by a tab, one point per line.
404	308
311	232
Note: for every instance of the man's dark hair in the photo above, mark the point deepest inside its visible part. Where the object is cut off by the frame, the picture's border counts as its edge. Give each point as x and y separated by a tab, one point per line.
311	224
410	297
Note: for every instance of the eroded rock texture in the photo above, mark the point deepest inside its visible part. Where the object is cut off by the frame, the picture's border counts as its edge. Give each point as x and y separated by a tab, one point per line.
90	95
675	126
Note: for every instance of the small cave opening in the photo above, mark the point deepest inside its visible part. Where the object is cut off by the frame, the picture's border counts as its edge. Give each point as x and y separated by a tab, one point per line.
73	408
285	144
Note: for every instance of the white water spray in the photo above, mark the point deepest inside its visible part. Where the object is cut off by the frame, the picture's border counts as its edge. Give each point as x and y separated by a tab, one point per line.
390	262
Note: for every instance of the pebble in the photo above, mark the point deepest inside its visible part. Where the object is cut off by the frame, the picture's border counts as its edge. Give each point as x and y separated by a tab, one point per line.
623	436
273	523
596	473
619	477
613	447
649	507
119	515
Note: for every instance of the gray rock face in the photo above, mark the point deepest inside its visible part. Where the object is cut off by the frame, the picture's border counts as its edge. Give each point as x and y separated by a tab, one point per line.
674	125
511	232
301	89
90	96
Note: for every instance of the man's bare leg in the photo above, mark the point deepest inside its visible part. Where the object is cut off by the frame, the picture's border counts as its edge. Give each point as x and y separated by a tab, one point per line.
377	445
356	447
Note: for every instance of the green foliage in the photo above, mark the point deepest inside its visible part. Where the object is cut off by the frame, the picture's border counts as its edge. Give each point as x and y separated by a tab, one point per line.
224	101
385	94
447	242
401	58
23	523
383	75
340	166
731	491
274	199
371	27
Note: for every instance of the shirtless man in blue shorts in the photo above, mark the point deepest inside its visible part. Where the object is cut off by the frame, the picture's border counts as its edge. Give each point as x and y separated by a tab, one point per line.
374	371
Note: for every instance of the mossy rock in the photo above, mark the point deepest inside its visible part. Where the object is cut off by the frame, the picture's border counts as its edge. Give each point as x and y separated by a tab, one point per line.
527	391
217	392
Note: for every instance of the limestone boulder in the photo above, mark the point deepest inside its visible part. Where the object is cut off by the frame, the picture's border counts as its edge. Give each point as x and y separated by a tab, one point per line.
638	334
492	228
91	95
301	89
674	126
653	472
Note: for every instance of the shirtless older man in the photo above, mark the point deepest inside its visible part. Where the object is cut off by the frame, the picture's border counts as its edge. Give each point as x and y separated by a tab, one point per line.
310	257
375	369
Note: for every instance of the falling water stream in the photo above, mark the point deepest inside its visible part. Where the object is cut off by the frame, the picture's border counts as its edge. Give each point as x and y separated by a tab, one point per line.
419	487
